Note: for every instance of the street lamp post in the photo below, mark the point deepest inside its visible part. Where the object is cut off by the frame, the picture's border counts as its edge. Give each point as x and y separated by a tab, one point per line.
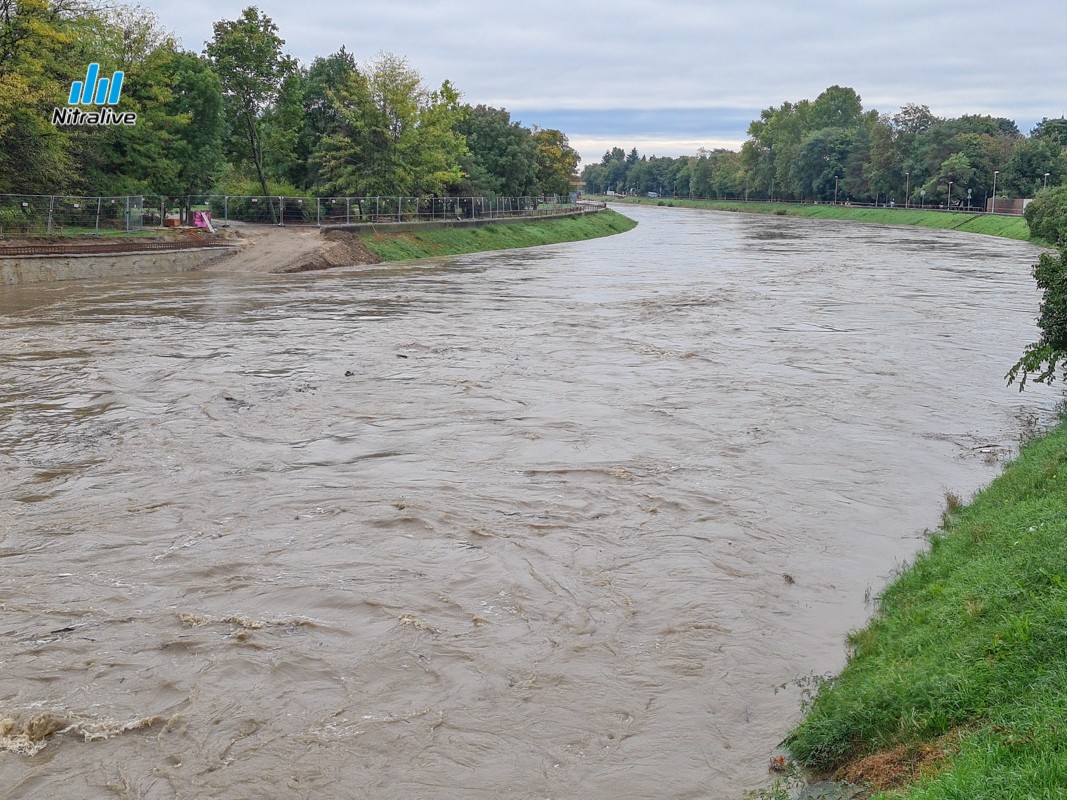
949	195
907	188
993	206
922	199
835	190
1046	179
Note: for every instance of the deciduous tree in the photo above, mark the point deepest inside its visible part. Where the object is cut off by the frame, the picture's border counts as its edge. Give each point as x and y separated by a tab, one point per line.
247	56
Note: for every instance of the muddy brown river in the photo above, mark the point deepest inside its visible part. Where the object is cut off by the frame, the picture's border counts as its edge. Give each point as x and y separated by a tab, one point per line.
552	523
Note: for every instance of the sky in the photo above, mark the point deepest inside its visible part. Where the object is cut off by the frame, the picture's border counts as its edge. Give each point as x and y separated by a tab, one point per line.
671	76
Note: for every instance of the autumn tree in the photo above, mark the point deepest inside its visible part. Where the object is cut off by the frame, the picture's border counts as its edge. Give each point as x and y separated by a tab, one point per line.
556	162
35	62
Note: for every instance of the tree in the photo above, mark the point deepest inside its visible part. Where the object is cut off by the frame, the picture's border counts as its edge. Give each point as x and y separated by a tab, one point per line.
955	170
195	111
282	125
1049	352
777	137
884	168
555	161
1047	216
1030	160
501	158
35	51
1054	130
174	149
836	107
821	162
912	120
247	56
395	137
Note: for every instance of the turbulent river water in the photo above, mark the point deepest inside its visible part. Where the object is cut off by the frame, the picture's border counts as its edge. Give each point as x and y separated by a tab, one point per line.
550	523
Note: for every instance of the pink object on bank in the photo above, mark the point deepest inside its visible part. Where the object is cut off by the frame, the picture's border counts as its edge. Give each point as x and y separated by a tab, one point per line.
202	219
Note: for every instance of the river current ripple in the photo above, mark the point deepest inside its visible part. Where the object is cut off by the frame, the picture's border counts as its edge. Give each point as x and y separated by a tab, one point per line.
552	523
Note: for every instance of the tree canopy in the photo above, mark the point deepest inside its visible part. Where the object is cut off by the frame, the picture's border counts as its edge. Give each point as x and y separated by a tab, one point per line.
244	116
816	150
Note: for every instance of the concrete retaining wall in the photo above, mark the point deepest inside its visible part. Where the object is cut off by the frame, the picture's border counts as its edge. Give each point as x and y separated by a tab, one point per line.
36	269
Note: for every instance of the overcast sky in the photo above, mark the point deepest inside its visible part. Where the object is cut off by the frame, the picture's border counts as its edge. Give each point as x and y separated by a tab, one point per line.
674	75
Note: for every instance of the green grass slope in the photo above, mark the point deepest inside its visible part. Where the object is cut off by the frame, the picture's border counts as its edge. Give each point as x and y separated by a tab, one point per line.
958	687
454	241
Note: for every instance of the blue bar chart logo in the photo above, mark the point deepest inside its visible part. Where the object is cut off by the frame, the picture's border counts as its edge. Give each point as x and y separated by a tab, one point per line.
94	90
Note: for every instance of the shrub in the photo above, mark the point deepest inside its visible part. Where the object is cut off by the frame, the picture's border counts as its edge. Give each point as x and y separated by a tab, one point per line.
1043	356
1047	216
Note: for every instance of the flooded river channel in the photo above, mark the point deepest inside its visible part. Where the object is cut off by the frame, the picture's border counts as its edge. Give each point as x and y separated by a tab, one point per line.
552	523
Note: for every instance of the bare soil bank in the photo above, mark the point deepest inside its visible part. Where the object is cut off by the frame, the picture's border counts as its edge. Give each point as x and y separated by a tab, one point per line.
277	249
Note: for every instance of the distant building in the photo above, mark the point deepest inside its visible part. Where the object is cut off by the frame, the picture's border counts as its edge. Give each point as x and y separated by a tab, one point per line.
1006	205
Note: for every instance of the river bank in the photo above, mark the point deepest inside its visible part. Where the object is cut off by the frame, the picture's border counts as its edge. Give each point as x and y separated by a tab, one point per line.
1009	227
267	249
958	686
275	249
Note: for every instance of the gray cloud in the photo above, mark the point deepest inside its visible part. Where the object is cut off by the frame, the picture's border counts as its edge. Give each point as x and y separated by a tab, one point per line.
984	57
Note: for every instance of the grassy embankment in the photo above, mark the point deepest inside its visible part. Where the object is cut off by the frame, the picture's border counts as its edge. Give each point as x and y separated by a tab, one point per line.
1010	227
454	241
958	686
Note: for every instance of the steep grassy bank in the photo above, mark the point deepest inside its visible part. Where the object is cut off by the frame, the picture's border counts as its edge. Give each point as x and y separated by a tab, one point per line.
958	686
453	241
990	224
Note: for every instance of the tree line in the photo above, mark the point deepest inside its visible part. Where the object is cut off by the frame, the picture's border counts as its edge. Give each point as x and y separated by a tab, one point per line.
245	117
831	148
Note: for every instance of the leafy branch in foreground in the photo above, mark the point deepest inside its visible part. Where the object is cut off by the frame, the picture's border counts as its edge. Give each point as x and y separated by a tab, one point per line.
1042	358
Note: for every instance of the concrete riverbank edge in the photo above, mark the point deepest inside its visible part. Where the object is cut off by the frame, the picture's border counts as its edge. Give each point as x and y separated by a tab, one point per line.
77	266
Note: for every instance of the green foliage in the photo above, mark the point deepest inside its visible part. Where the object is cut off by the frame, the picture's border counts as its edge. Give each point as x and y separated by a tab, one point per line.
501	158
796	150
394	136
970	640
1030	161
1043	357
822	161
555	161
239	198
1047	216
1051	130
246	53
35	57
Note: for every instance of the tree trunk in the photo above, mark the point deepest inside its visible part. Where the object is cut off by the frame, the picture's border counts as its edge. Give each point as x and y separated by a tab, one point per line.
257	159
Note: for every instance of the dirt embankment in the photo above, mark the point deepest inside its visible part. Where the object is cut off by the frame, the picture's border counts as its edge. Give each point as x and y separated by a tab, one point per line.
283	249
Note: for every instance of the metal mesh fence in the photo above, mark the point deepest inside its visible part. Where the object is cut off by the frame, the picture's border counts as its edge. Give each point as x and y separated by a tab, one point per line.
377	209
48	215
51	215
